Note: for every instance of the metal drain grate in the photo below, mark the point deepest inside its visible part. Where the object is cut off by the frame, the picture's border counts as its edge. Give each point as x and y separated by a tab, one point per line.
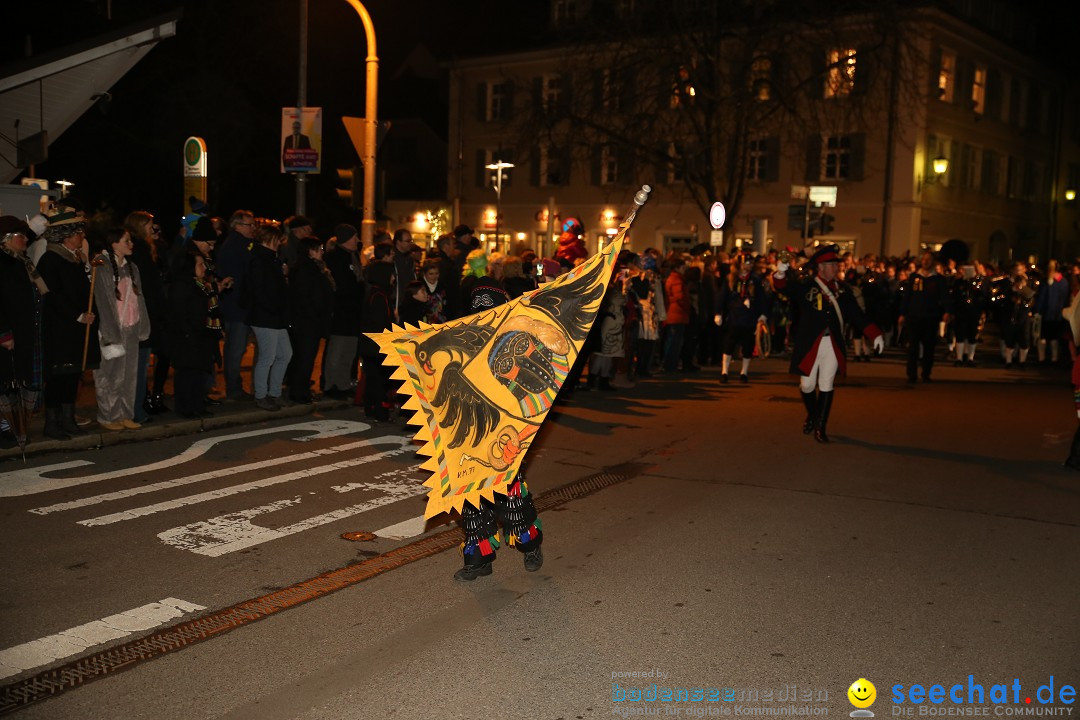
78	672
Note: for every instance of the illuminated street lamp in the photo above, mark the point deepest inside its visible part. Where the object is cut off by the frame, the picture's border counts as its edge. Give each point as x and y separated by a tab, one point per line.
1070	195
65	184
941	165
498	167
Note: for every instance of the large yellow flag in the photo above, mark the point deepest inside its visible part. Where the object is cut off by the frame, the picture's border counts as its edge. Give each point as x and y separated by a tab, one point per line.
482	385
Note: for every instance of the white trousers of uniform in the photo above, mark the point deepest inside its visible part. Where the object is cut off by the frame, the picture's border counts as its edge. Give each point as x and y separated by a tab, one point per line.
824	370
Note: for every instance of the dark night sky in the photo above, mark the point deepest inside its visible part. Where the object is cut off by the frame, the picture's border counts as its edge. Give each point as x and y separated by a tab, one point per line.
233	65
225	75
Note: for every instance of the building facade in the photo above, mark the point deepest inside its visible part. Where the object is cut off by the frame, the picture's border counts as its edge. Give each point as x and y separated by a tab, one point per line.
1001	123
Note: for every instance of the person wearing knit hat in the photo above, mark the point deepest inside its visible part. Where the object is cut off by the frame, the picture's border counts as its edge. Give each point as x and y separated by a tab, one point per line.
825	304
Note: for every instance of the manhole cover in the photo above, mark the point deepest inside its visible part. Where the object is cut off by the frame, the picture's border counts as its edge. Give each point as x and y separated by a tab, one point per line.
358	536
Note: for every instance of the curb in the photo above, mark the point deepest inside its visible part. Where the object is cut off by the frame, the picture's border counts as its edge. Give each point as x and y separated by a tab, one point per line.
158	431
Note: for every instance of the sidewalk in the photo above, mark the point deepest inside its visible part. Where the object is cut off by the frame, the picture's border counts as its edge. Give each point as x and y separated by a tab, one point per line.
227	414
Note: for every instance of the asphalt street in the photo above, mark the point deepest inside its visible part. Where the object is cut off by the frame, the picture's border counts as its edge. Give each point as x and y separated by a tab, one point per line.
934	539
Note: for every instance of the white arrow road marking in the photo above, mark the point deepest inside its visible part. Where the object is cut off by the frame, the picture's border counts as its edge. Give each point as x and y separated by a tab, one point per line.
82	637
228	533
190	479
30	482
404	443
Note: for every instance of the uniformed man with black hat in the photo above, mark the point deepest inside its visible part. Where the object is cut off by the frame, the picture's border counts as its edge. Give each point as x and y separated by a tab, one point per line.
822	304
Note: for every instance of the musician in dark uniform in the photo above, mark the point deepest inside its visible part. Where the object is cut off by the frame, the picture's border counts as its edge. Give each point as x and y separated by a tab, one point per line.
970	297
822	304
924	303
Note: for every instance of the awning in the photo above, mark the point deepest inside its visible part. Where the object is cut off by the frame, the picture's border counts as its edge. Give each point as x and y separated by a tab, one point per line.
48	93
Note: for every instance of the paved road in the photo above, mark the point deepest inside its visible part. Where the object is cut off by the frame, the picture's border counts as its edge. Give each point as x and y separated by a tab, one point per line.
937	537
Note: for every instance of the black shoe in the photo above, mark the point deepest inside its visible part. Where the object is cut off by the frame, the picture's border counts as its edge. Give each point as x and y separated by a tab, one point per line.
1020	366
53	427
744	378
471	572
534	560
957	363
911	380
240	397
605	384
211	401
723	378
157	405
926	378
67	421
824	407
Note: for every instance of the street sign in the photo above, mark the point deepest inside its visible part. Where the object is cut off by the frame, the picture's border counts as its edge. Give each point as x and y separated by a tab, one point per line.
823	195
799	192
716	238
717	215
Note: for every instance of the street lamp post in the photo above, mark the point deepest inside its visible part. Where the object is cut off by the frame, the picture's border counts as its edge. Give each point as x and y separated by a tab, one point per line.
367	227
498	167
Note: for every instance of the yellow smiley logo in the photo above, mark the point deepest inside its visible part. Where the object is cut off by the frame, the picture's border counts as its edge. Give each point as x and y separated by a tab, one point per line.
862	693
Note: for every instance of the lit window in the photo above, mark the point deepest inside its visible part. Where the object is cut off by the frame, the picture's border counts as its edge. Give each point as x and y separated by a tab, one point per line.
761	79
756	157
682	88
841	78
946	76
978	90
836	159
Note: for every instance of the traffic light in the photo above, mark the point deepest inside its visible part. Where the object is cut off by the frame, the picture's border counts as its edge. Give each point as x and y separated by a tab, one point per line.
813	224
350	190
826	223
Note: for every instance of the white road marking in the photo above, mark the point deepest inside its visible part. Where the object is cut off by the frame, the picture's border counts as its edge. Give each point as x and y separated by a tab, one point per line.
82	637
30	482
403	441
404	529
228	533
190	479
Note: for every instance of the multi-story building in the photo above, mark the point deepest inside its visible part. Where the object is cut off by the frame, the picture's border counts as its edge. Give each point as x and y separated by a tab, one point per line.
960	134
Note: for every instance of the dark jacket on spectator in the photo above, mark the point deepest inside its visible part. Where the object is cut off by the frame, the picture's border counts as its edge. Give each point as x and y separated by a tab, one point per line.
192	344
266	291
311	299
233	259
20	308
348	291
69	290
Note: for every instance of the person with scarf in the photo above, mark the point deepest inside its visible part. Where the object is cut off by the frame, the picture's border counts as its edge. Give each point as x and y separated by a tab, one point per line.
21	292
64	269
140	224
475	269
823	305
124	323
194	329
311	306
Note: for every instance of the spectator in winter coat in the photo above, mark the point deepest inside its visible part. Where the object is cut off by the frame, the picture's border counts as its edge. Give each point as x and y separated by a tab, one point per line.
345	268
311	305
268	305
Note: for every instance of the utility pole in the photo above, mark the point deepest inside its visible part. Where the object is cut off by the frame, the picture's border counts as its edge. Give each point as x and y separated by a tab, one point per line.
367	227
301	101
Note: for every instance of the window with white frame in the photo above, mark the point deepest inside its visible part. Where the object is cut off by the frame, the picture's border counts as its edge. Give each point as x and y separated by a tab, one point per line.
498	101
836	157
761	78
946	76
757	158
840	80
978	89
551	92
609	165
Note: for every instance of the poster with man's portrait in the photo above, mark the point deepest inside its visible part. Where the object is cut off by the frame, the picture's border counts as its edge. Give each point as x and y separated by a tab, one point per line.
301	140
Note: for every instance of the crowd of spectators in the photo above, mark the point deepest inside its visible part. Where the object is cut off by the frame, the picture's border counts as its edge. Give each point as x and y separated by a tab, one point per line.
132	305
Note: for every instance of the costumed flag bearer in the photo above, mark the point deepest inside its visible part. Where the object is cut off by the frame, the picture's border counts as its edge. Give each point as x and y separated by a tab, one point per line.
822	305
